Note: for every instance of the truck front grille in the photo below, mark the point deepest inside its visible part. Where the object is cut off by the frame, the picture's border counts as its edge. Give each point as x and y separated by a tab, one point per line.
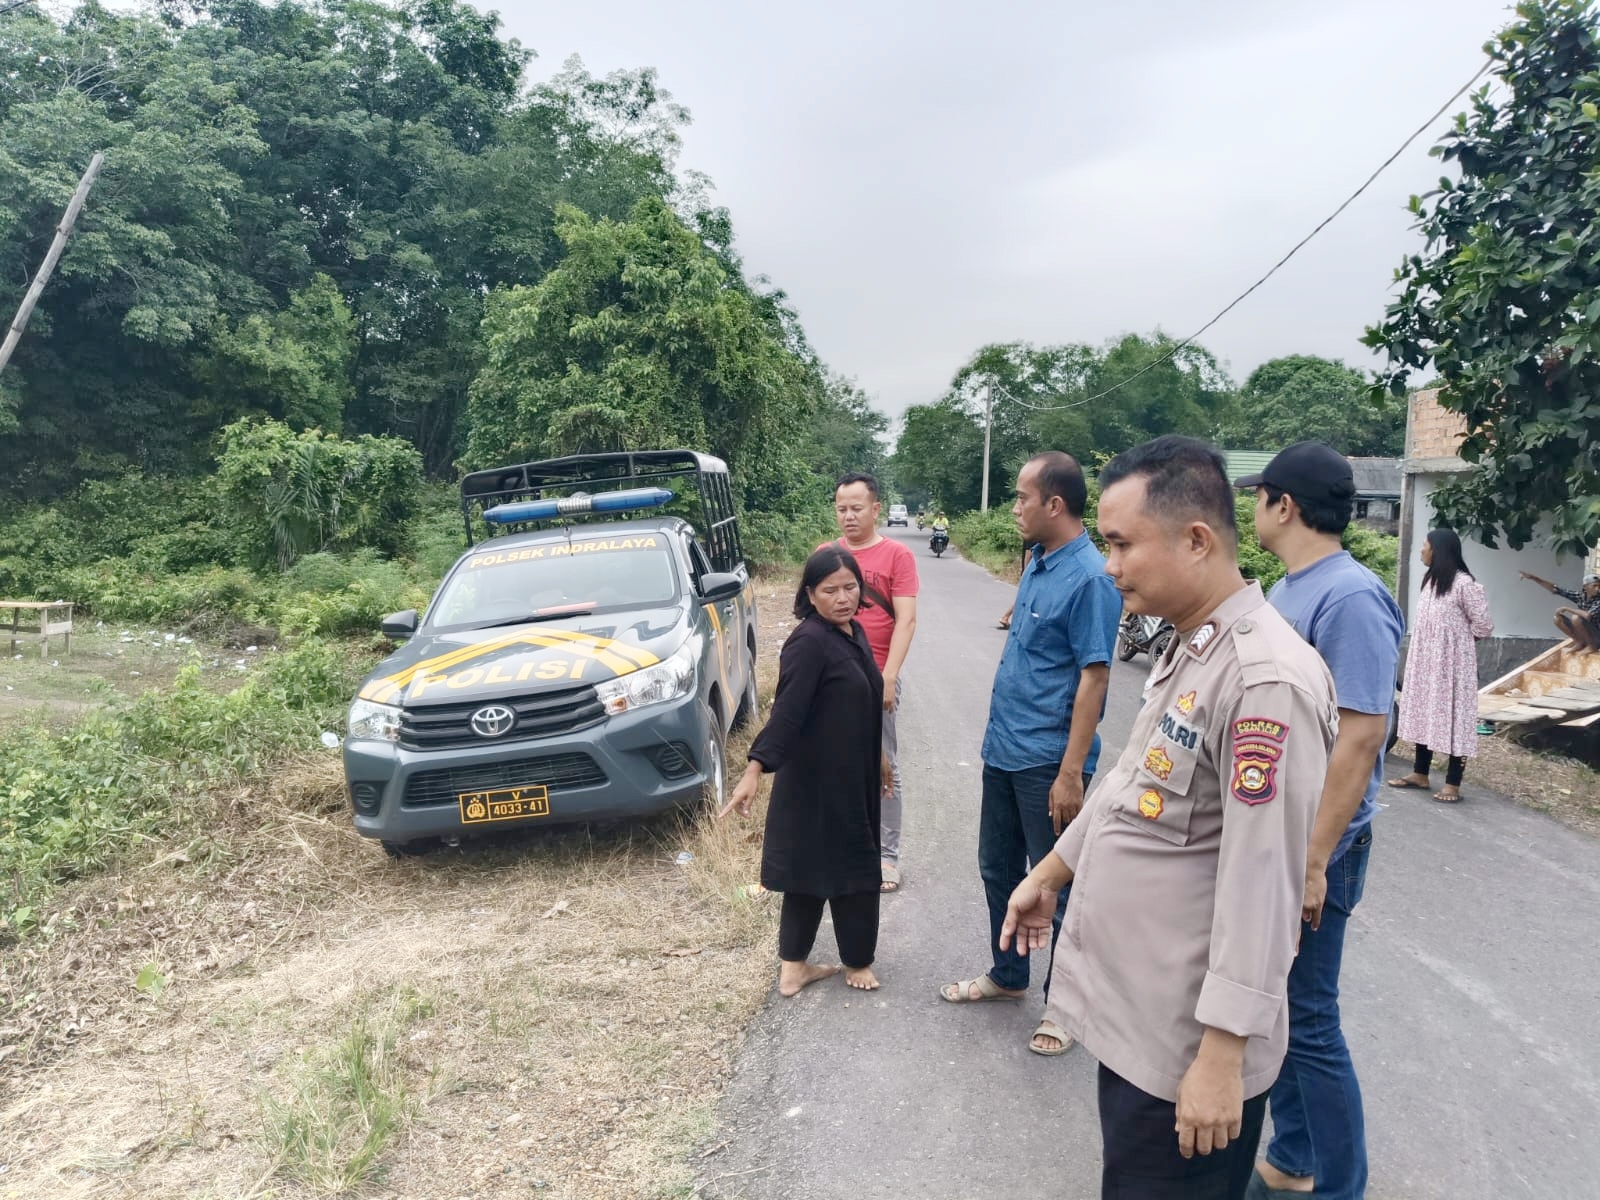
558	772
543	714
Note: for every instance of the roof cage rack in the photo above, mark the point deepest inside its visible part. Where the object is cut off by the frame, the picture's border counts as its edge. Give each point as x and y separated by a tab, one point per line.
556	478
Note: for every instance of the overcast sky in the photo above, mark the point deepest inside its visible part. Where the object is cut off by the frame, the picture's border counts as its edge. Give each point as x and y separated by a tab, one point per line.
923	178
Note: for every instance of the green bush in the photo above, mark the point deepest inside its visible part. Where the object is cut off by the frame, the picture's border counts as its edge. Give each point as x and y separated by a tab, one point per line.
71	802
772	539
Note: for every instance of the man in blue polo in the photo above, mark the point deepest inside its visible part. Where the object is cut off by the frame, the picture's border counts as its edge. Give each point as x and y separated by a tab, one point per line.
1041	746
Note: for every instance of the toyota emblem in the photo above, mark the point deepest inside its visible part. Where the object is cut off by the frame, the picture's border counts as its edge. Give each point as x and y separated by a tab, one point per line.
494	721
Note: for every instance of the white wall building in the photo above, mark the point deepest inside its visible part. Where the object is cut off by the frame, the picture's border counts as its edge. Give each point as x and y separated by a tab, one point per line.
1522	611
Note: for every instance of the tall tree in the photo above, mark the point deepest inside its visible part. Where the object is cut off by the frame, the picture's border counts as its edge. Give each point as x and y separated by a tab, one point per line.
640	335
1503	301
1301	396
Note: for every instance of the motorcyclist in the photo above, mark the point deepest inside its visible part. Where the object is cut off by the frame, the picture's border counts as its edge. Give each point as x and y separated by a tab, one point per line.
941	523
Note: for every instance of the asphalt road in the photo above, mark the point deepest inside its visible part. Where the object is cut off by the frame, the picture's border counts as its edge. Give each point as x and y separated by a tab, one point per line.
1471	994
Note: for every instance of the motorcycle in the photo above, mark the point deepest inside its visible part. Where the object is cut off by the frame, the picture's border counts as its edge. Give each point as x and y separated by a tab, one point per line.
1142	632
938	542
920	521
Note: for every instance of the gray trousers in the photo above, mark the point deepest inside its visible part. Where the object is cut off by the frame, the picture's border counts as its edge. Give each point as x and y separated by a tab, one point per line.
892	803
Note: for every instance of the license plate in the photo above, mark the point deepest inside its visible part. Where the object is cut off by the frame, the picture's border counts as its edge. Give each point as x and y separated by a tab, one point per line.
505	804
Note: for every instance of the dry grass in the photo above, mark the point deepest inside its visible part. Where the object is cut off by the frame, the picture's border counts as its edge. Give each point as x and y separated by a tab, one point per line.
551	1017
1532	775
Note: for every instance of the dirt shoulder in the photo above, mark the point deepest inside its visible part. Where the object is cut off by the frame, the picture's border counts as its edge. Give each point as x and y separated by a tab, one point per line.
273	1008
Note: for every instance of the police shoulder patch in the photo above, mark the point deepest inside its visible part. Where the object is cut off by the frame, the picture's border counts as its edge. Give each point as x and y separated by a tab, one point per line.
1257	747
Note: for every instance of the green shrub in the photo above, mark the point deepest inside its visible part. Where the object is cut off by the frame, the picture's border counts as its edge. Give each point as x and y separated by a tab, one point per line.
773	539
71	802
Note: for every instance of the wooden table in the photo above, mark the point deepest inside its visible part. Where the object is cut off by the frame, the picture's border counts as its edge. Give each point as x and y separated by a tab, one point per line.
52	617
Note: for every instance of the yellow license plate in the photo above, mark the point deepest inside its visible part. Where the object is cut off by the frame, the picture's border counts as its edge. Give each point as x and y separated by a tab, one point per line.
505	804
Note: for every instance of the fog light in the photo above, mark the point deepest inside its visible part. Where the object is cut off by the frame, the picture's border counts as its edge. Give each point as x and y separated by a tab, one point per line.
366	797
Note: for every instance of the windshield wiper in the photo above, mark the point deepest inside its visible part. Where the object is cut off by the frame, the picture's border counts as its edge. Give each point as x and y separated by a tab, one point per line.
545	614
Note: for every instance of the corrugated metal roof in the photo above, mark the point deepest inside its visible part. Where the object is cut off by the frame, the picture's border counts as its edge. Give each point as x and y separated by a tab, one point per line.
1376	476
1246	462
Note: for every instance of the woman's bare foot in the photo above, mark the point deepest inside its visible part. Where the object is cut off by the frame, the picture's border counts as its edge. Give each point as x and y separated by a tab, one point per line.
794	976
861	977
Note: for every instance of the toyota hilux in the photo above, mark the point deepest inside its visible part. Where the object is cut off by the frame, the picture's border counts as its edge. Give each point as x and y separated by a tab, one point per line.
585	662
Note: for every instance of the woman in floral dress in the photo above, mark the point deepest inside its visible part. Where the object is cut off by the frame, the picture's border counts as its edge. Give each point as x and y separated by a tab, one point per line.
1439	703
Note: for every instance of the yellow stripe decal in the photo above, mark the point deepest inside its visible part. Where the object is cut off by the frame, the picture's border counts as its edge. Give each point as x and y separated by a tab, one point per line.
621	658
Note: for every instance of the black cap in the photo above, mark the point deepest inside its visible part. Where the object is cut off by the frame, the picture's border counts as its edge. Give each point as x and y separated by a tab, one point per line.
1307	471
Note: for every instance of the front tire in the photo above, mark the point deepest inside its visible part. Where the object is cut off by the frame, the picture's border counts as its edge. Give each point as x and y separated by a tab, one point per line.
1159	644
716	761
750	701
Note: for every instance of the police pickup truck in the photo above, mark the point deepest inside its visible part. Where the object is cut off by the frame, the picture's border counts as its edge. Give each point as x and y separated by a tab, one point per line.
585	662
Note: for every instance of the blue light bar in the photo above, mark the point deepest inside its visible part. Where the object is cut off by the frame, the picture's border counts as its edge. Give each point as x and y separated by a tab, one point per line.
567	506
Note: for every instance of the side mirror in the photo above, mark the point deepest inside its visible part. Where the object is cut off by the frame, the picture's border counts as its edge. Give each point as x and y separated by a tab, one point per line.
400	625
717	586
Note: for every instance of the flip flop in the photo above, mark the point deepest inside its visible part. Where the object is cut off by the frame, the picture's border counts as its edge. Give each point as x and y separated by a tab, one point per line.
961	991
1049	1028
1403	783
891	879
1443	799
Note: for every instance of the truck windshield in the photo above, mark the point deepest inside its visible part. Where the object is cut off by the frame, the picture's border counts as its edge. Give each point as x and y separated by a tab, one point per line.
495	586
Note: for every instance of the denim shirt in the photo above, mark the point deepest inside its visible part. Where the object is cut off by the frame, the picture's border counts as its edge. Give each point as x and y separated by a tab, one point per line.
1065	619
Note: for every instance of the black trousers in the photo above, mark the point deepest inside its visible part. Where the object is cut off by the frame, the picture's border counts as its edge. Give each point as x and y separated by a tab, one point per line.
1452	773
1141	1149
855	927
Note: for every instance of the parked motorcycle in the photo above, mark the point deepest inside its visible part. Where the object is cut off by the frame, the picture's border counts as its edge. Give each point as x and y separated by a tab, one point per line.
1139	632
938	542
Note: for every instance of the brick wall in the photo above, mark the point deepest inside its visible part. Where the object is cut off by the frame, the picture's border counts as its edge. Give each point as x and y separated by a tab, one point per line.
1431	431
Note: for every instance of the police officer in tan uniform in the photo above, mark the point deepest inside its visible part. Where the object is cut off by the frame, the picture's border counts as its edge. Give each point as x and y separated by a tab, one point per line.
1188	860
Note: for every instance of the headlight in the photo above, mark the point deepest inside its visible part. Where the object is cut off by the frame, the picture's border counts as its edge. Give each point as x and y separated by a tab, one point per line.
369	722
654	685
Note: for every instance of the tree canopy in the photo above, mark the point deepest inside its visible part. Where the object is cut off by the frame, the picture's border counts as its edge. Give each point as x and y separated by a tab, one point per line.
336	215
1503	300
1088	401
1301	396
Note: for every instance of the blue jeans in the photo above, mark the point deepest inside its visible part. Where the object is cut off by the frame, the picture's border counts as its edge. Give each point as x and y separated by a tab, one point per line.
1014	832
1319	1131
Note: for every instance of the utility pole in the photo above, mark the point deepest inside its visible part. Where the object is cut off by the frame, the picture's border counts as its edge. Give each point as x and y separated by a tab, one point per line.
989	405
68	219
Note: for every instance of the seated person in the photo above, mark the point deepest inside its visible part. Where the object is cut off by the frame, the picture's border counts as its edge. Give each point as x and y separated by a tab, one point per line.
1581	624
940	521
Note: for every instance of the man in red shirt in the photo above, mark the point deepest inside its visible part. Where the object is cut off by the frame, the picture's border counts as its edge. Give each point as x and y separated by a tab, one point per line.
890	570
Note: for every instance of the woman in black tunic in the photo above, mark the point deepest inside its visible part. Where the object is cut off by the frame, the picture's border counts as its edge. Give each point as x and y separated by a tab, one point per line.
823	741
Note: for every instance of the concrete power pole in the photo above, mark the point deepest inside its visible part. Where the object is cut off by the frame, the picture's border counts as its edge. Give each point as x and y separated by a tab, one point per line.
68	219
989	405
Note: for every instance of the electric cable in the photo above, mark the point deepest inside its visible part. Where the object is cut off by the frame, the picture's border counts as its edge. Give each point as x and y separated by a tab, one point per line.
1298	246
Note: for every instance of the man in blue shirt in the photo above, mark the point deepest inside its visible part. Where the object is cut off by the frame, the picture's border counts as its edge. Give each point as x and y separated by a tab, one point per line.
1304	499
1041	746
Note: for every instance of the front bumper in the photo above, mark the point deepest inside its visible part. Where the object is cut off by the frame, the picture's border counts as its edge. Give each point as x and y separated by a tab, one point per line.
636	764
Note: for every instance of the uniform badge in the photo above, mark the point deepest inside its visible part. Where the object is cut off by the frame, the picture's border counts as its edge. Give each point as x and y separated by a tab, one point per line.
1151	804
1201	638
1157	762
1257	747
1186	703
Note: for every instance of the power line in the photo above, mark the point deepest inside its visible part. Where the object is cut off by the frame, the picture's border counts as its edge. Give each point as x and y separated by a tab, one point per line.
5	8
1298	246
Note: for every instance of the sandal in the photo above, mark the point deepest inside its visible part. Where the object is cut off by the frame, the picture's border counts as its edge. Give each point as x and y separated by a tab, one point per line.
1002	624
1048	1028
988	989
891	878
1405	781
1444	797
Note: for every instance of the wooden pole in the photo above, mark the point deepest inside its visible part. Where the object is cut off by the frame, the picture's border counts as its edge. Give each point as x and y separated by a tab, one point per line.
68	219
